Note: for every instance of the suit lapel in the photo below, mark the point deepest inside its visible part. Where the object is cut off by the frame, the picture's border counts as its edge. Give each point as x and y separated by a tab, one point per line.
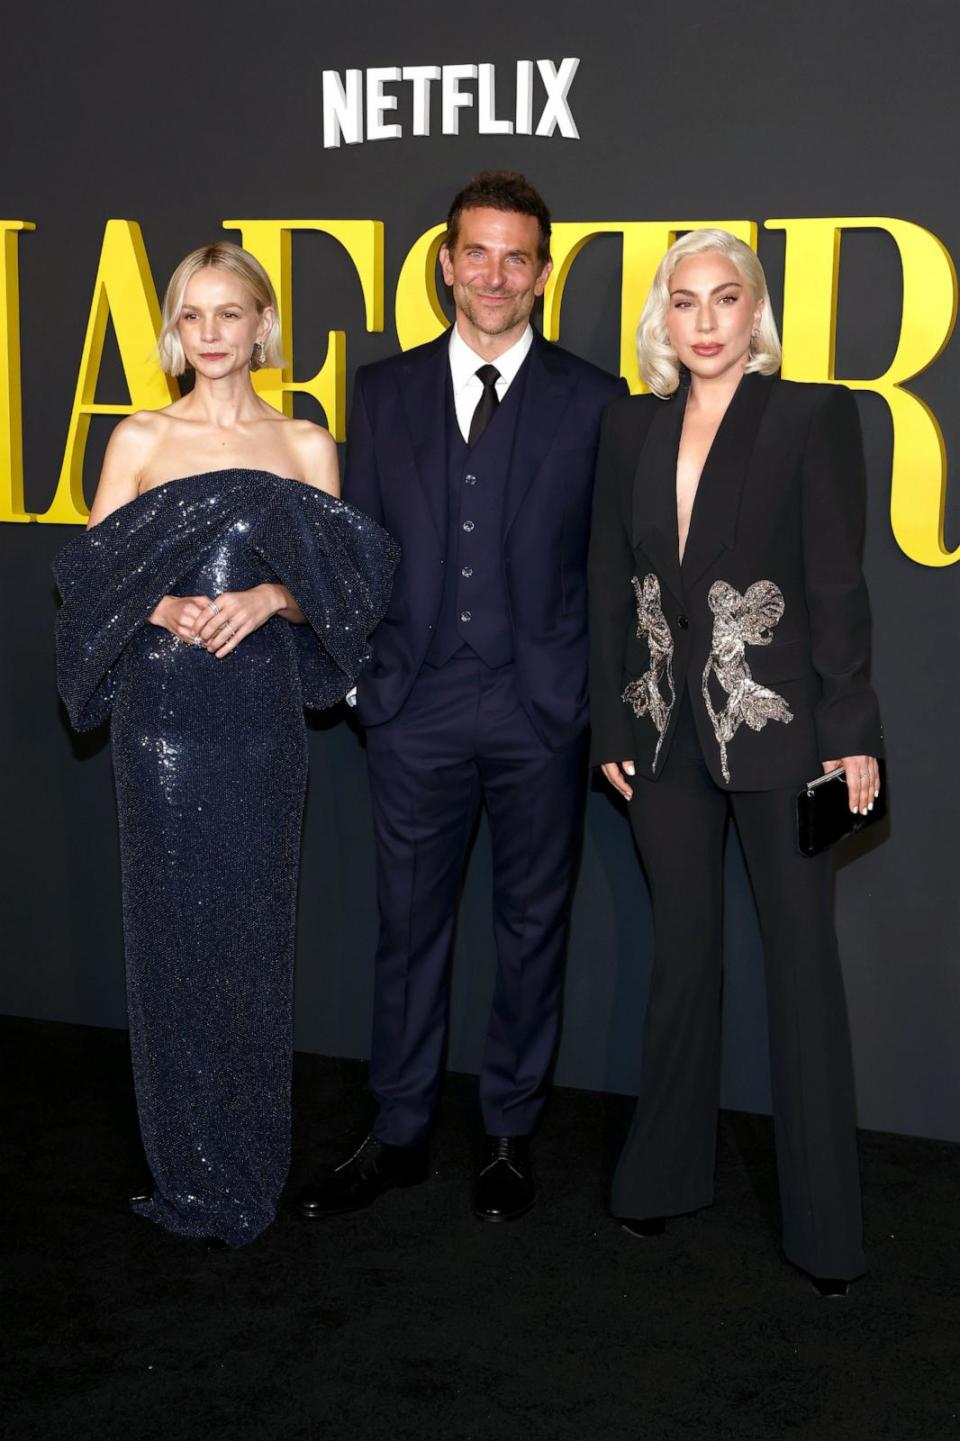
655	492
547	388
423	387
713	524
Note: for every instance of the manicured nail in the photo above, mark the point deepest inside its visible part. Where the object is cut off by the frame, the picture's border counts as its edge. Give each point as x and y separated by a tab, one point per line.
870	806
876	793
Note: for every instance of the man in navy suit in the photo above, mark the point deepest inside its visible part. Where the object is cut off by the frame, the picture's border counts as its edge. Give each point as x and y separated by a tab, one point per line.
476	451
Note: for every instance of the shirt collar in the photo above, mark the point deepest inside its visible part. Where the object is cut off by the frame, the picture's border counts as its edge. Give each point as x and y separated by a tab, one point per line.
465	362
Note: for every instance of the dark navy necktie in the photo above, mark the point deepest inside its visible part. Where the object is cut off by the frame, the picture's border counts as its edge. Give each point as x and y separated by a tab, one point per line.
488	375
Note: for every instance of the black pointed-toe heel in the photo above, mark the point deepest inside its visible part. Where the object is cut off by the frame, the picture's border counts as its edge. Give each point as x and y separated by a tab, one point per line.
829	1287
644	1230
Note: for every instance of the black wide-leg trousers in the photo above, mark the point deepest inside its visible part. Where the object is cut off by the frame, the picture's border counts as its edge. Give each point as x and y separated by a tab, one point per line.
667	1164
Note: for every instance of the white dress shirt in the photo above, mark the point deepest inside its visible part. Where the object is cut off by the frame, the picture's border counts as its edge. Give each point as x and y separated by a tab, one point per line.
464	364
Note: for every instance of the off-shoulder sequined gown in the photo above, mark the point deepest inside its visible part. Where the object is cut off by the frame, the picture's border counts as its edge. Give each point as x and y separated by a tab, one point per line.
210	765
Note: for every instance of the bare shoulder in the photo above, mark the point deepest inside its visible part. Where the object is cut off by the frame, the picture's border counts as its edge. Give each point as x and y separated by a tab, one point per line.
316	452
131	444
139	431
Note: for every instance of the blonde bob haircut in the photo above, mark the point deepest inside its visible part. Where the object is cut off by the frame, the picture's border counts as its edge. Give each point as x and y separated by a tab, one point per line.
221	255
659	365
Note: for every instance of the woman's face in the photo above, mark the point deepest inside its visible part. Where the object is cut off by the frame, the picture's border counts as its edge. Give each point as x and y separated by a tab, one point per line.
219	323
711	316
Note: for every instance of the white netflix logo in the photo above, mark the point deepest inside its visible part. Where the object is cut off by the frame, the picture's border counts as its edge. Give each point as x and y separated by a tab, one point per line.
356	103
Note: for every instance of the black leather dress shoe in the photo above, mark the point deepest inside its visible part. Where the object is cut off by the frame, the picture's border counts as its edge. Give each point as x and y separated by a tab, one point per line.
505	1186
645	1229
373	1168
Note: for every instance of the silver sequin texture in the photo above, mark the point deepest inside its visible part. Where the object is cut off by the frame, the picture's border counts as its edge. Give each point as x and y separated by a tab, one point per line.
739	621
210	766
646	694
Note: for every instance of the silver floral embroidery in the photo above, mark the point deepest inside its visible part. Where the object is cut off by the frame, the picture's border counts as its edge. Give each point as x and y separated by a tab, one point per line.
646	695
739	621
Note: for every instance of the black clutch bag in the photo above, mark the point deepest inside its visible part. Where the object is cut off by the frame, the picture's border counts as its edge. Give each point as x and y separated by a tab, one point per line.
824	815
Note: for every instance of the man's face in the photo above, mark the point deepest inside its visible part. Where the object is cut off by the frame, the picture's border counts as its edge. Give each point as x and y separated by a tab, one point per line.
495	272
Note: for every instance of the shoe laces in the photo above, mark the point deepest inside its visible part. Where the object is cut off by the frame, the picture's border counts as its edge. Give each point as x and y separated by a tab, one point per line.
503	1148
364	1158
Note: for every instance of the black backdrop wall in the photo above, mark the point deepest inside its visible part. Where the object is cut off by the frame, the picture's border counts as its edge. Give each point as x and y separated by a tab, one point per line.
181	117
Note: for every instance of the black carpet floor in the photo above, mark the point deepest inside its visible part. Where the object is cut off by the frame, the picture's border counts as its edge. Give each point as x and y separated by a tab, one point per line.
413	1320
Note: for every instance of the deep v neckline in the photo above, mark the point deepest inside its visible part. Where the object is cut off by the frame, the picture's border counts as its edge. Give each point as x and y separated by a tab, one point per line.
713	519
711	449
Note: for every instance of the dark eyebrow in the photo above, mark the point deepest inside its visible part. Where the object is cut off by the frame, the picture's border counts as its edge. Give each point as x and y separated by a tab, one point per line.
725	286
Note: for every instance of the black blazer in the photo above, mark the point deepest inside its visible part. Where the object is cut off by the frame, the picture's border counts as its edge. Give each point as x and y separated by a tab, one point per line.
766	623
397	472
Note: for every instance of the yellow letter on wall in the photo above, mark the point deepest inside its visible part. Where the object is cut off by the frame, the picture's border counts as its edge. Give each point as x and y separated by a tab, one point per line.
644	243
918	479
11	421
419	315
123	291
269	241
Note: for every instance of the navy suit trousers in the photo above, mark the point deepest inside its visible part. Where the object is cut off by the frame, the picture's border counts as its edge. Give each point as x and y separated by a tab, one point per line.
461	740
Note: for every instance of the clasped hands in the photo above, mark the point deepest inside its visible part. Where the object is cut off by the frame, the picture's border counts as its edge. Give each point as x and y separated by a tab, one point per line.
861	772
219	623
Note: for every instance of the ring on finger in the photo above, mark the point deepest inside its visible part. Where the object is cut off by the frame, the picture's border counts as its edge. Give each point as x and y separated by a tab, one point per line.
214	608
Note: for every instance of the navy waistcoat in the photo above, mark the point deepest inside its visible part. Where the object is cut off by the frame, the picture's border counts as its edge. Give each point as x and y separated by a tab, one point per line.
475	608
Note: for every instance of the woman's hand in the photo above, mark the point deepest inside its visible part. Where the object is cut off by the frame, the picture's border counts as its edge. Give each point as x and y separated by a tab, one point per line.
230	618
617	776
181	615
863	781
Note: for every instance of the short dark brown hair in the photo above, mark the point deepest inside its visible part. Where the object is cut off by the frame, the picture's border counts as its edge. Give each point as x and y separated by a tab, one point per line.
500	190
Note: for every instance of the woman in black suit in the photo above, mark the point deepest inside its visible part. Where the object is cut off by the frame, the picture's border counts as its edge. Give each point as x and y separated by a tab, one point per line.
729	633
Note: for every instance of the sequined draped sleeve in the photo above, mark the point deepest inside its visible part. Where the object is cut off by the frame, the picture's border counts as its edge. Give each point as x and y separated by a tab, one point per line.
338	564
111	578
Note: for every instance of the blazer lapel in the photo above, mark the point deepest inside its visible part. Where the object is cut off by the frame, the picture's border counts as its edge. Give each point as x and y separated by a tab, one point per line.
547	388
713	524
655	492
423	387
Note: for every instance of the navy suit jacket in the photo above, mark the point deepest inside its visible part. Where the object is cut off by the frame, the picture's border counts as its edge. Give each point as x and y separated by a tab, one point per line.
397	472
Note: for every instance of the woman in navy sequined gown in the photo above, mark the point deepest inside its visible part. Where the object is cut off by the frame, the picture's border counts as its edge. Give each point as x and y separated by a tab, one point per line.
220	588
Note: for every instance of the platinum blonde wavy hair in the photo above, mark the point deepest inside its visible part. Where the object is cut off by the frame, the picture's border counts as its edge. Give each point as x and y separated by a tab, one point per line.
659	365
221	255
